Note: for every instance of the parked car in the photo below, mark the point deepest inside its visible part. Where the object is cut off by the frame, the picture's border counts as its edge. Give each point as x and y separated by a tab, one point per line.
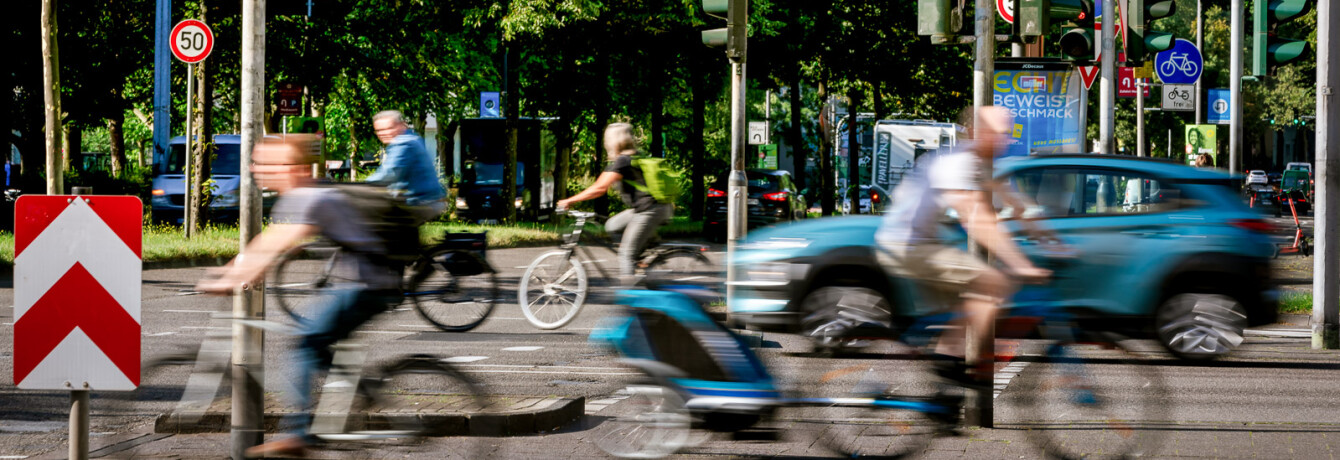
1166	251
1257	176
772	198
873	200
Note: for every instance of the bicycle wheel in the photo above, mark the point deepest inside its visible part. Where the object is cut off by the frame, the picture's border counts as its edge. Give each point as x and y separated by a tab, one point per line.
553	289
683	267
868	422
403	401
1098	399
302	277
453	290
651	423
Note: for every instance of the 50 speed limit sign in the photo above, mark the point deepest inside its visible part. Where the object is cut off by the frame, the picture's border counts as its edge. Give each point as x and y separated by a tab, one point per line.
192	41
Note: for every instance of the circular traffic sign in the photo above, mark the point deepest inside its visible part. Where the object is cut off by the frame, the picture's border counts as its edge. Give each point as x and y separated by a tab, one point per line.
1179	65
1006	10
192	41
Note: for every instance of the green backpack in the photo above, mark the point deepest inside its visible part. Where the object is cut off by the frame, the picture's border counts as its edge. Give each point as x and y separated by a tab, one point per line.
664	183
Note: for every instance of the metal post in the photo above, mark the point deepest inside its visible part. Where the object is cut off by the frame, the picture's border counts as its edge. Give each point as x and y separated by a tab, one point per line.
79	424
978	407
1235	86
1168	152
1140	116
248	343
738	182
1200	45
162	79
1107	87
190	116
1326	258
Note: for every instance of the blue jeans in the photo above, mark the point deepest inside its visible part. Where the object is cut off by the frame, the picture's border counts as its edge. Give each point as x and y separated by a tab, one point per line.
345	311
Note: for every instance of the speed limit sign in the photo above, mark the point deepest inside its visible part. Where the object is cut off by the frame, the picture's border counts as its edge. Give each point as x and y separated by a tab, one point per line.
192	41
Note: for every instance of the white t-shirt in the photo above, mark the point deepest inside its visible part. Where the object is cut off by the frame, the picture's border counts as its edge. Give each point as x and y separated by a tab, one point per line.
919	203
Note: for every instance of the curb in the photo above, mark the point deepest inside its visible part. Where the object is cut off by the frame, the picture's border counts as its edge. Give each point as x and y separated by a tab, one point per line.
186	263
552	414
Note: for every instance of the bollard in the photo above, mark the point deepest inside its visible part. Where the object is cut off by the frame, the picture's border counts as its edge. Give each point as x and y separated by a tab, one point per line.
79	423
81	190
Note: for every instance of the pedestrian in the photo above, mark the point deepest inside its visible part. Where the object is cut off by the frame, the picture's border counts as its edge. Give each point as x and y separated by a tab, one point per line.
408	169
644	215
303	211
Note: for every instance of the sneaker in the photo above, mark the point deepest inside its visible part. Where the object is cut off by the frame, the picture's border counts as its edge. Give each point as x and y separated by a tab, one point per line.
287	447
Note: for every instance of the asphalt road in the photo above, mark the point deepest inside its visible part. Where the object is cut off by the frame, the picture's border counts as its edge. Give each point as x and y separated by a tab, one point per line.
1275	384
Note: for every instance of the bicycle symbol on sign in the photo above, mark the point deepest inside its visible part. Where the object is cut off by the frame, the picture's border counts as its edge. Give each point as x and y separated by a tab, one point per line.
1176	62
1175	94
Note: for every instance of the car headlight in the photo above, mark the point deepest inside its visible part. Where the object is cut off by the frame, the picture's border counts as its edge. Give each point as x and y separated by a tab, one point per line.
460	204
517	203
768	272
226	200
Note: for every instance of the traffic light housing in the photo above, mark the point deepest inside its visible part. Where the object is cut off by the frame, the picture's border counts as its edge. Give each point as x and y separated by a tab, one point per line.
1078	44
1033	18
940	19
1142	41
1267	49
735	35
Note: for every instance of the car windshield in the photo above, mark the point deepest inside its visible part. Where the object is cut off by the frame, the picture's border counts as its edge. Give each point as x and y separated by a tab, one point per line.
492	173
761	183
1294	180
227	160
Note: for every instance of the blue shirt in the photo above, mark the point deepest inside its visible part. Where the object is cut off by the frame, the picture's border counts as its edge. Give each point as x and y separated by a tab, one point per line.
408	170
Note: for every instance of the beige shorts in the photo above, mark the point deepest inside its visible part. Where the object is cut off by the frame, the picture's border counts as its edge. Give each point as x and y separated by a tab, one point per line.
937	266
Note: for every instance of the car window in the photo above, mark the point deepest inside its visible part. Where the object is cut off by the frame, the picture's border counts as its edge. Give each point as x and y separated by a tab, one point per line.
761	183
1076	192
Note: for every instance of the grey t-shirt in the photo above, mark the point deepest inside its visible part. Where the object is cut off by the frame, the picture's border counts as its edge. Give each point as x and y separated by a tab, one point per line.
336	219
918	202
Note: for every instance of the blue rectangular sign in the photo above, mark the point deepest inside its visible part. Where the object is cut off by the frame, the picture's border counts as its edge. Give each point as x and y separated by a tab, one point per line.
1044	99
1218	106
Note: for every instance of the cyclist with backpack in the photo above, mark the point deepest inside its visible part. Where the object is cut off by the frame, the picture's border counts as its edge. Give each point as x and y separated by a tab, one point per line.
648	206
307	209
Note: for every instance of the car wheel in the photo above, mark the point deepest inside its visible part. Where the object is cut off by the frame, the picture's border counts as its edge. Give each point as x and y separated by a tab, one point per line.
833	312
1201	326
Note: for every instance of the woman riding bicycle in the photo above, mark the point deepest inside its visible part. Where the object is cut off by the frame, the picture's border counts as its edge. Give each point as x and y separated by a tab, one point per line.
644	214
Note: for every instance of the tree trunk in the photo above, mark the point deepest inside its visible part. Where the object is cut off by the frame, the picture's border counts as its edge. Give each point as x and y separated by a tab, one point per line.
878	91
51	97
602	90
799	150
511	100
203	145
118	141
826	192
696	145
74	145
657	108
563	140
853	191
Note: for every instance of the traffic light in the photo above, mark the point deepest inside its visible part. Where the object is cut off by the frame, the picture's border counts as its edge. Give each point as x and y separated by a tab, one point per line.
1142	41
1267	49
1078	44
941	19
736	34
1034	18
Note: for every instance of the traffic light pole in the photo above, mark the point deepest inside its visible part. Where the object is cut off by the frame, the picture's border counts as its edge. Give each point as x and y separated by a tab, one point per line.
737	190
1326	261
978	410
247	367
1235	87
1200	45
1140	86
1107	88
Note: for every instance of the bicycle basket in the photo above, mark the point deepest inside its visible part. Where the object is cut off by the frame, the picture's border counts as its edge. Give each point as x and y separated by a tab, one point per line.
460	264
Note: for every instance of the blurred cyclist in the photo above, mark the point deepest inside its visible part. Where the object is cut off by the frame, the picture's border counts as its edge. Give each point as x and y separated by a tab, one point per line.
910	245
644	214
408	169
301	212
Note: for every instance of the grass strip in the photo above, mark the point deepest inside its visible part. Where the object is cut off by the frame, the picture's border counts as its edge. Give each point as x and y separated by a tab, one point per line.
1296	303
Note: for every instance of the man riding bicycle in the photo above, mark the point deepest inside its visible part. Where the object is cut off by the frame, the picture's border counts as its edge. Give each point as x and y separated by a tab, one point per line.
909	244
303	211
408	169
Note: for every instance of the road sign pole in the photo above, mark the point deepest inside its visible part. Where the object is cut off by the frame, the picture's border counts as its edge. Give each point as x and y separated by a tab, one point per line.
1326	263
1107	87
190	116
78	425
1235	86
1200	45
248	371
1140	86
978	407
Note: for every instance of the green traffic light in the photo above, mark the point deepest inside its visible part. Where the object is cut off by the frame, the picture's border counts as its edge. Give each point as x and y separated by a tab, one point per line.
1286	10
716	7
1157	42
1286	51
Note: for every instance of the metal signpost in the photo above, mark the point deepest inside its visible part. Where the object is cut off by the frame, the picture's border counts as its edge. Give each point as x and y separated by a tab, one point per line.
191	42
77	270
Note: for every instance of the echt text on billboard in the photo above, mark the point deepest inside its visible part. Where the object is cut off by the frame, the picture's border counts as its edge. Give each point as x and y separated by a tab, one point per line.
1045	100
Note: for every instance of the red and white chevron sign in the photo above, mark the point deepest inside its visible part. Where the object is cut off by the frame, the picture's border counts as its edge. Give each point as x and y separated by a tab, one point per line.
77	292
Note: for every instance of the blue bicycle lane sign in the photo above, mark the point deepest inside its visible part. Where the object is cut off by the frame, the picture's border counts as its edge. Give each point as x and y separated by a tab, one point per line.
1180	65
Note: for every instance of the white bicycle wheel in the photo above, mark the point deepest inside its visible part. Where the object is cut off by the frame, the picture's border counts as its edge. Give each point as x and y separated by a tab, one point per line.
553	290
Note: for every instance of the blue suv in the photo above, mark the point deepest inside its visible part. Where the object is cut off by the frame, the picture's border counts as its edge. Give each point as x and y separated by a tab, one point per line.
1166	251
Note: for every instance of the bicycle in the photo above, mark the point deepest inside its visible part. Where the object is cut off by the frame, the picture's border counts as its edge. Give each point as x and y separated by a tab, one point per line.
699	375
451	284
554	286
355	404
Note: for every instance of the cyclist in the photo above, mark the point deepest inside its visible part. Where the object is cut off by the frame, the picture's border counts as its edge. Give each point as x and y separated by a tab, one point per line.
301	212
644	215
408	169
910	246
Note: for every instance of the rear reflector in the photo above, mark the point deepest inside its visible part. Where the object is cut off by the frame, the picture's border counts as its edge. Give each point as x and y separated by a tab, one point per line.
1254	225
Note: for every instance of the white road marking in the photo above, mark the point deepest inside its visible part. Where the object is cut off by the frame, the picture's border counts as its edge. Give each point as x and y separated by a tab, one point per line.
529	348
415	325
9	324
221	328
13	456
1005	375
384	332
532	366
464	359
502	371
190	311
1293	332
159	334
